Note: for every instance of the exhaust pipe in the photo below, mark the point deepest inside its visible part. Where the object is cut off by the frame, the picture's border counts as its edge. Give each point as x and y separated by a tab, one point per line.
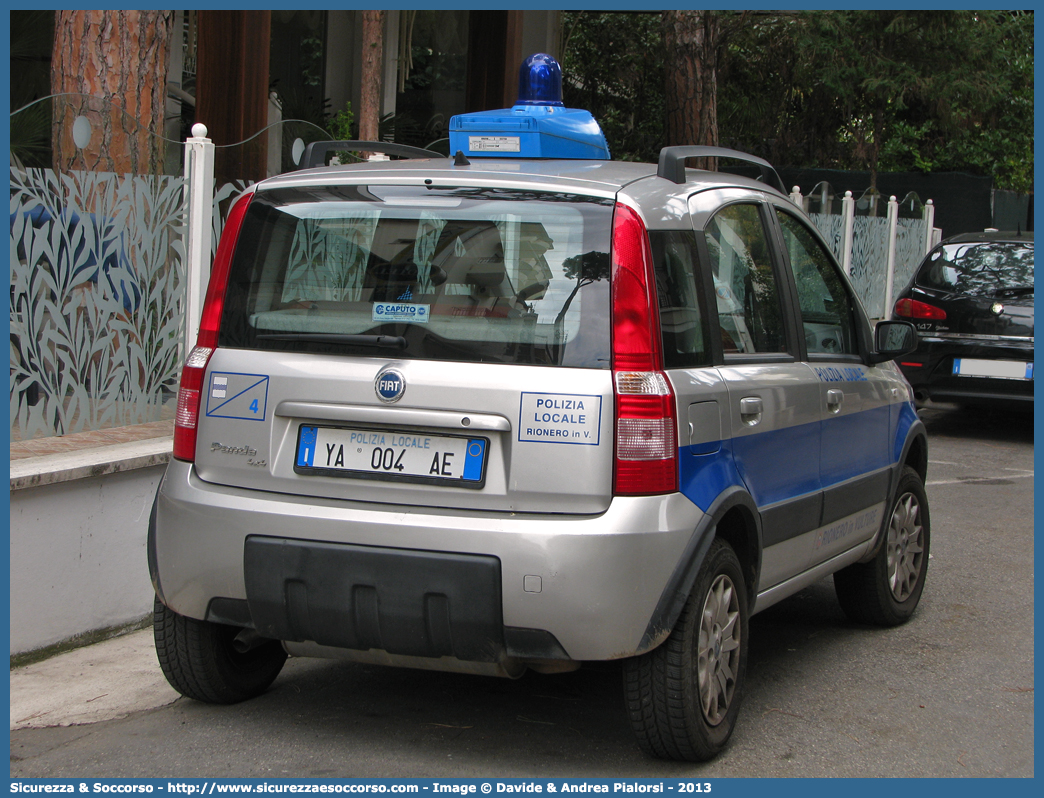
248	640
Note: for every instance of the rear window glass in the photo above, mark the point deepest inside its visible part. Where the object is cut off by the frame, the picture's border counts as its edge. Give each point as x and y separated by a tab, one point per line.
990	269
480	275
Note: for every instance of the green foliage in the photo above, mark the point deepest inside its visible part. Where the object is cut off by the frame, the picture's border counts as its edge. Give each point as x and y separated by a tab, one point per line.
341	127
885	90
342	123
613	66
997	136
765	105
878	90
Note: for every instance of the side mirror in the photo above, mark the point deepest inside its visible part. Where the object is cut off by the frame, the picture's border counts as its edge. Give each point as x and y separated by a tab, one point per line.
893	339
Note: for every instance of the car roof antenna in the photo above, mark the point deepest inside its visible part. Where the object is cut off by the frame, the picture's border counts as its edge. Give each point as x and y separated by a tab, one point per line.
460	159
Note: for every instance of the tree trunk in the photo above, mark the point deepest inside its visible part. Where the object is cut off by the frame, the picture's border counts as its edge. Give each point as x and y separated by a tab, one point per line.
372	67
691	48
119	59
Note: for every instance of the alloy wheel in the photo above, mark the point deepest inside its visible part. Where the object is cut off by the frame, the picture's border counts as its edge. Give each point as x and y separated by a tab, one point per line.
905	547
719	649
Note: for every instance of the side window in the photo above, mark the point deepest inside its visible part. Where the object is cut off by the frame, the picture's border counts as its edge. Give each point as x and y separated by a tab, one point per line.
681	322
827	312
749	310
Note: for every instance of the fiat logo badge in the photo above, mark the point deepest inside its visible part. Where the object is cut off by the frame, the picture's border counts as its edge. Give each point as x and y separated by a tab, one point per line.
390	386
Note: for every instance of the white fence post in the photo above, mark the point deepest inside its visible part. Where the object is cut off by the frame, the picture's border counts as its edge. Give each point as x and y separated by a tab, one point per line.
893	231
796	198
848	211
929	217
199	212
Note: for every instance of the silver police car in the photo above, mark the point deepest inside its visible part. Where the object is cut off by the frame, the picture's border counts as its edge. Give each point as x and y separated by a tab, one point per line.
528	407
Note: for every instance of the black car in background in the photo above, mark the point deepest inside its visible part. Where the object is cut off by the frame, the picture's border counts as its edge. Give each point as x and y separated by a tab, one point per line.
971	300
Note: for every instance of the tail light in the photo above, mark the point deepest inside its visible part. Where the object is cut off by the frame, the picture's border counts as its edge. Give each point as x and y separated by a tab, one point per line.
912	309
190	390
189	393
646	447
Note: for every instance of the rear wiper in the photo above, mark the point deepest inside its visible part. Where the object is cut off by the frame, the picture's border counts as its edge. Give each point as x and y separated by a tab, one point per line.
1017	290
383	341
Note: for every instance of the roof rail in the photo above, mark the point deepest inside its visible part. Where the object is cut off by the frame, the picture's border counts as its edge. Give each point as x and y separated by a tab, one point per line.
316	152
672	163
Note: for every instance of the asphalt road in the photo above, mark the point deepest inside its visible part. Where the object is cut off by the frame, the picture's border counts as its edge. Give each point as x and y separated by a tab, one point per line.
949	694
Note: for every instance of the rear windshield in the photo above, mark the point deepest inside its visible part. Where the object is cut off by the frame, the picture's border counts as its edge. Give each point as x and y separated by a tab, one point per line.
992	269
483	275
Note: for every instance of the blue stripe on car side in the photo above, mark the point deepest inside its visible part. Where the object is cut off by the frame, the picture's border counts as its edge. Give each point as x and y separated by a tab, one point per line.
780	464
703	477
906	418
784	464
855	444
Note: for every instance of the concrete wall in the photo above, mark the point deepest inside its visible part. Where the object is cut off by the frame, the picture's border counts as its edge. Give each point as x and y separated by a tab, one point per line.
78	561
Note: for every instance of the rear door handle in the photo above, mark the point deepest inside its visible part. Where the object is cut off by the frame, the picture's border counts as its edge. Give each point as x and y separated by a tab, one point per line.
751	408
834	399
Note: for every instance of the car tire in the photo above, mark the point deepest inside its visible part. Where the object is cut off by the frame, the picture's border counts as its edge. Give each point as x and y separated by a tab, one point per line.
886	590
200	662
683	697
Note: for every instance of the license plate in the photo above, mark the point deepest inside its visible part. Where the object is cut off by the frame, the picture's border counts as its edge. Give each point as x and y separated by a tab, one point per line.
995	369
382	454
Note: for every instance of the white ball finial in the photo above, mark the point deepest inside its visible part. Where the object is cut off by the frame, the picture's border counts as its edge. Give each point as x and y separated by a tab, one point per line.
199	130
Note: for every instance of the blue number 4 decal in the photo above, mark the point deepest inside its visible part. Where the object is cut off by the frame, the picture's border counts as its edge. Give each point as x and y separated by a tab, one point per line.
253	406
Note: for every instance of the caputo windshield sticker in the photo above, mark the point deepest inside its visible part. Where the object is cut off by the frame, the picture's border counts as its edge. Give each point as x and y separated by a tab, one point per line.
233	395
401	311
560	418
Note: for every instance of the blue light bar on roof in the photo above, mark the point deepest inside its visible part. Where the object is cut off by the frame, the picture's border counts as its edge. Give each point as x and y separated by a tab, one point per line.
537	126
540	81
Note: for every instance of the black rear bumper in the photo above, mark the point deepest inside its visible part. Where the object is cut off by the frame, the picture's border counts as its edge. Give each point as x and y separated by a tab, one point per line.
413	603
930	370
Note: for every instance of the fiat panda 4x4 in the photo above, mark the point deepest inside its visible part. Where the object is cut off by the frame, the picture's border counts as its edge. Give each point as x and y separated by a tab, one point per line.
528	407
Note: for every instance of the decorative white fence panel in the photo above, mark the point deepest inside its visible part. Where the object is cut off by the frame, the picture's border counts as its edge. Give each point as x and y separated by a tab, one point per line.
869	262
859	233
909	249
98	267
96	284
832	226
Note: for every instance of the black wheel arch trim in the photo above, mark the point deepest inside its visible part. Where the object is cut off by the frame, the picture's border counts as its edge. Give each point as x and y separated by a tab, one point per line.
917	432
150	545
676	591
